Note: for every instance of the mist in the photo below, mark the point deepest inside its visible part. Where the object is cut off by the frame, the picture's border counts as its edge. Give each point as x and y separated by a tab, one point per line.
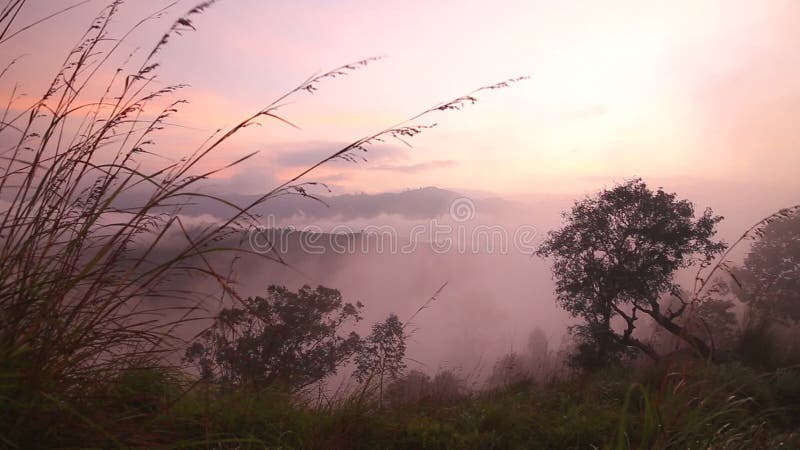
382	250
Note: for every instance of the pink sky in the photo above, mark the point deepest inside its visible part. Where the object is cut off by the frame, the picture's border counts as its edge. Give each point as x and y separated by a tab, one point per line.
705	91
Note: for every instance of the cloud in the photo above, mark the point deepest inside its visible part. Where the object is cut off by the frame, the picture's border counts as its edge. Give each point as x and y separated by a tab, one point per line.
415	168
424	203
306	154
249	180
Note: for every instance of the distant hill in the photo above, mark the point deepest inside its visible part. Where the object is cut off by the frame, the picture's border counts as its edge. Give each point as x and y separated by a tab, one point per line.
413	204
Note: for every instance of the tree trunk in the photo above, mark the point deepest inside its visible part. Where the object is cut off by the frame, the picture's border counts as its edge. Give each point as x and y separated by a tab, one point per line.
698	344
647	349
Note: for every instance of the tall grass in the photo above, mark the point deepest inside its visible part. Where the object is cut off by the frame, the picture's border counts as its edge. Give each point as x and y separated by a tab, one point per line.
727	406
91	287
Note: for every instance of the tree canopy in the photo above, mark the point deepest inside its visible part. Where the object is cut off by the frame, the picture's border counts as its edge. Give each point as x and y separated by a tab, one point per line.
769	281
382	354
617	255
292	339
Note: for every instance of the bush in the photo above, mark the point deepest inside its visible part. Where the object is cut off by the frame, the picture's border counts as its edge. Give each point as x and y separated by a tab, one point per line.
286	338
757	347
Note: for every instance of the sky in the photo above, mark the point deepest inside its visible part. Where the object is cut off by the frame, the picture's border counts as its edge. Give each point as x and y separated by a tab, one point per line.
679	93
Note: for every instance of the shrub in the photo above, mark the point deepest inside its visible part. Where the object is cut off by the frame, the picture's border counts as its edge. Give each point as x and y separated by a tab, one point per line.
757	346
286	338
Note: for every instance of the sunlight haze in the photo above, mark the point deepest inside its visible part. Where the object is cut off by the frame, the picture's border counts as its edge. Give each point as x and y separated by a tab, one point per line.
680	92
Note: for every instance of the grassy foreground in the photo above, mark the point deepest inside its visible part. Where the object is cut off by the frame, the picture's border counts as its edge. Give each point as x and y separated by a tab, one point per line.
726	406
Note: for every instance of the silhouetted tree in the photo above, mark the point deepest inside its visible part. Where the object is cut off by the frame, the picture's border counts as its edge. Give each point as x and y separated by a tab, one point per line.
617	255
508	370
409	389
538	353
712	317
769	281
447	386
381	354
597	346
417	387
537	344
286	338
717	318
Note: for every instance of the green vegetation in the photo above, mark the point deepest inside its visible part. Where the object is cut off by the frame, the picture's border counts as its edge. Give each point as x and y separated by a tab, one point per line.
705	406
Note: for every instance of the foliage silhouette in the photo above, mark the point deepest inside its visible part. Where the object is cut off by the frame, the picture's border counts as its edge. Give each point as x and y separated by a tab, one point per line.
617	255
382	354
289	339
769	281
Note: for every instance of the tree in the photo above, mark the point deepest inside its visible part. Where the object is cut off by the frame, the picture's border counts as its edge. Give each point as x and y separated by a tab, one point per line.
719	319
538	353
617	255
382	354
447	386
597	346
508	370
409	389
537	344
286	338
416	387
769	281
713	317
